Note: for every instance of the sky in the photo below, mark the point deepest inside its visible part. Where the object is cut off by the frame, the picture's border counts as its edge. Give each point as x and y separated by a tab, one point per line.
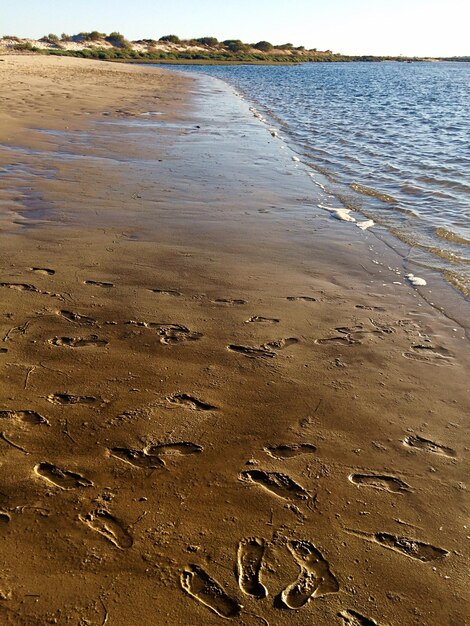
393	27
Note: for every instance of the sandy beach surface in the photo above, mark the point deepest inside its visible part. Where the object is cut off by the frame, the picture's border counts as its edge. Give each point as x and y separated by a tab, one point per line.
217	401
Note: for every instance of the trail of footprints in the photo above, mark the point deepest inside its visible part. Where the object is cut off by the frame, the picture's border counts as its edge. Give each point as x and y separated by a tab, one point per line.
315	578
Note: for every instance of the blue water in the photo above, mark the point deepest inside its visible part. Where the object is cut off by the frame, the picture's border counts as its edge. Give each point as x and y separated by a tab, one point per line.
393	140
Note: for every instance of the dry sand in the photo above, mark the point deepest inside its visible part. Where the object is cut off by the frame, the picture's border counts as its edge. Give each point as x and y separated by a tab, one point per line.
213	395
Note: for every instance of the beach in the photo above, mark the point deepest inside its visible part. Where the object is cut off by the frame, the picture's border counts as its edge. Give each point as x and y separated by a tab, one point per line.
217	401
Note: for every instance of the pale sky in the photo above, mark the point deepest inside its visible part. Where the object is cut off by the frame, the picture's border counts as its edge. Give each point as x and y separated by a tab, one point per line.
409	27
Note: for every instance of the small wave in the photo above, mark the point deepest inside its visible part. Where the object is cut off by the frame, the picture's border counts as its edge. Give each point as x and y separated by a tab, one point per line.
367	191
458	281
448	235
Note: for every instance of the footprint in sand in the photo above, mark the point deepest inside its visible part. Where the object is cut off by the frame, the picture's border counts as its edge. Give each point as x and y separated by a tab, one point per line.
415	441
427	353
98	283
20	287
79	342
67	398
60	477
198	584
252	351
301	299
411	548
370	308
190	402
45	271
28	417
315	578
340	340
287	451
137	458
249	561
102	522
167	292
229	301
280	484
179	448
150	457
384	483
280	344
76	317
353	618
267	350
258	319
4	517
169	333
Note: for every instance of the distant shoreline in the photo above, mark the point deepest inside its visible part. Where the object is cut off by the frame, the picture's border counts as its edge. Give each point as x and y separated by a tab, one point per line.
172	50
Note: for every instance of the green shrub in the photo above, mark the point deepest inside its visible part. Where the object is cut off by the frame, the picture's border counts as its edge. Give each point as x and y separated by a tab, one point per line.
24	46
118	40
264	46
210	42
170	39
235	45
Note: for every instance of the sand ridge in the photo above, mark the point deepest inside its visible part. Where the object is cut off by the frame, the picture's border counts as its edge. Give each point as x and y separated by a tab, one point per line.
215	404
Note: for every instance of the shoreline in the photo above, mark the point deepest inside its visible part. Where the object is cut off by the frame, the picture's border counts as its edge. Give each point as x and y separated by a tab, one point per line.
450	294
191	326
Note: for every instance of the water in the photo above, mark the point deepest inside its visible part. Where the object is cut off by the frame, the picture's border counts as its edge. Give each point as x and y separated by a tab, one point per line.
392	139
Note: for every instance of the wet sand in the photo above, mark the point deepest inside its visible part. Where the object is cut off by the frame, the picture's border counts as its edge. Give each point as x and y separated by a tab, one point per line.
215	400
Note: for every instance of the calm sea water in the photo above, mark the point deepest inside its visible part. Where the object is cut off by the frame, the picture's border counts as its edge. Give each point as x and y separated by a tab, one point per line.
392	139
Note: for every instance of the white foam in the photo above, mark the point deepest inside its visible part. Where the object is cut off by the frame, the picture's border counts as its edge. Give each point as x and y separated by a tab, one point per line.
415	280
365	225
339	213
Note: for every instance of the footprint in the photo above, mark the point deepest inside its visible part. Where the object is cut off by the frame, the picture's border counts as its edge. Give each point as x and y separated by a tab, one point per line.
20	287
79	342
43	270
98	283
353	618
190	402
279	484
385	483
67	398
167	292
111	528
29	417
252	352
229	301
61	477
415	441
403	545
169	333
369	308
76	317
180	448
4	517
341	340
3	350
427	353
249	561
280	344
315	578
262	320
287	451
301	299
137	458
199	585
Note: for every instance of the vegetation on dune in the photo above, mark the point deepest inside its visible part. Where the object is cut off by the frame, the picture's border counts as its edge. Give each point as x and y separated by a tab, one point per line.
172	49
